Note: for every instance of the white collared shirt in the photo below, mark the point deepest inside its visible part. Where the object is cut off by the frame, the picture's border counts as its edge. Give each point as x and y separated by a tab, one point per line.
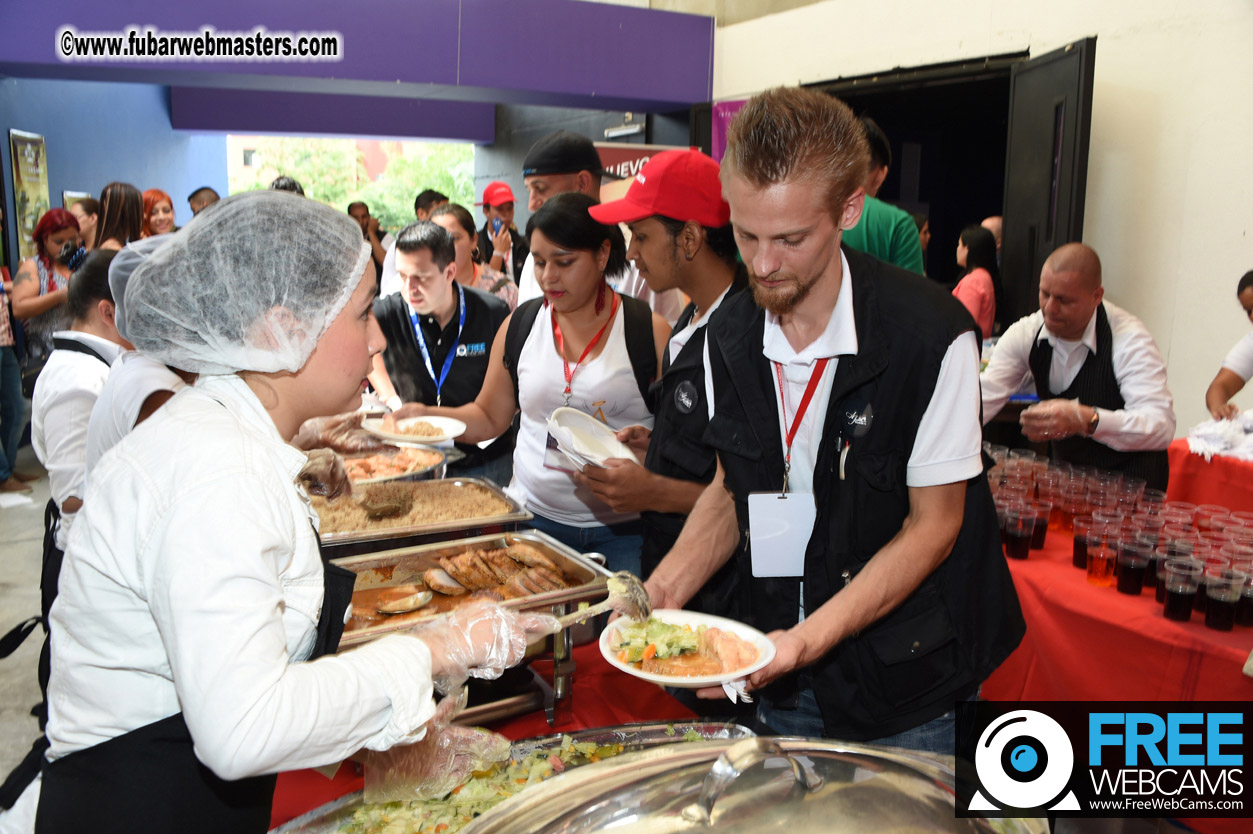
947	447
133	378
65	393
1147	419
193	582
679	340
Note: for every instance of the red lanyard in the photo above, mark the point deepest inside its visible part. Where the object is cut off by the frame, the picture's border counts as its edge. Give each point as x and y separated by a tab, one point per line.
814	378
561	345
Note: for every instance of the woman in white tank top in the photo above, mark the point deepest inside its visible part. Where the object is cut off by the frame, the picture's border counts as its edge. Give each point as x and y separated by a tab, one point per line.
575	354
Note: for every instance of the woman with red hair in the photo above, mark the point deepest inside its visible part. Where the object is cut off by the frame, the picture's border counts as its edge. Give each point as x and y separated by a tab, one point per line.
158	213
41	283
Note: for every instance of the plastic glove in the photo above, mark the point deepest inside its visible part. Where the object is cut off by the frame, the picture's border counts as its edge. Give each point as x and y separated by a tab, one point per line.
324	474
341	432
480	639
1053	420
446	757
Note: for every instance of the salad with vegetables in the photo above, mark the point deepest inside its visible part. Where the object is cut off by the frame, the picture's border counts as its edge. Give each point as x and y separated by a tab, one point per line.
486	789
654	639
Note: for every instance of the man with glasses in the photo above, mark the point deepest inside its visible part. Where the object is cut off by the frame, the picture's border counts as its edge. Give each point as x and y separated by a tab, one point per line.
439	338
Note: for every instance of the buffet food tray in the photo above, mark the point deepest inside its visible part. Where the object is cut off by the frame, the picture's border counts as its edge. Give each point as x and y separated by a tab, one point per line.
404	566
329	818
434	471
353	542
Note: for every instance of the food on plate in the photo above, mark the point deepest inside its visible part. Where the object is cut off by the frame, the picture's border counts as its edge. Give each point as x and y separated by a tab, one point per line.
389	464
504	573
679	650
486	789
433	502
418	428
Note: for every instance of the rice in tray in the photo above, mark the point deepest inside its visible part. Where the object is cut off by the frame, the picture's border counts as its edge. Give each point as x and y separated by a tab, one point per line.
433	502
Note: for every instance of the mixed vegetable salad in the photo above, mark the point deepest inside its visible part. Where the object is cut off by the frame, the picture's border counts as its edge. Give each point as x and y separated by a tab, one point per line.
653	638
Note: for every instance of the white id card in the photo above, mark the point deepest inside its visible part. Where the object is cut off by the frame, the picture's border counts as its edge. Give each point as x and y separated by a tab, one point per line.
780	527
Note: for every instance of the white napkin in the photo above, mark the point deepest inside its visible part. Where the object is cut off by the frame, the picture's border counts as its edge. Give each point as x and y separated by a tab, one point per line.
735	691
1223	437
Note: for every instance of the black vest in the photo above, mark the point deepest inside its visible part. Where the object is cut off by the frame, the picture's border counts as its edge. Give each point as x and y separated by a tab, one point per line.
678	450
963	620
1095	385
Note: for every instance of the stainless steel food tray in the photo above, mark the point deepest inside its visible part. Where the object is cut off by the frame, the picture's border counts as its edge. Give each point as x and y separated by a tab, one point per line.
329	818
353	542
403	566
433	472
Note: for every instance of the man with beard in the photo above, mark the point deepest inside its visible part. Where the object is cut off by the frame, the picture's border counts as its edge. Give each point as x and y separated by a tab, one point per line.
844	403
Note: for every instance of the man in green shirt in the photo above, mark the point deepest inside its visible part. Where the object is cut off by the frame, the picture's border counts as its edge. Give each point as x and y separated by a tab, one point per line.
884	231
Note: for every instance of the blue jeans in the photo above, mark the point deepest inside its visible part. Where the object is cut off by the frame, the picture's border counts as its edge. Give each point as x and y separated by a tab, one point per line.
499	471
621	543
935	736
11	410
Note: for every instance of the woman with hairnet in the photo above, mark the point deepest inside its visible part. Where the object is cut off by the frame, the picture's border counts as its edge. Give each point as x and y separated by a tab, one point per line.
193	600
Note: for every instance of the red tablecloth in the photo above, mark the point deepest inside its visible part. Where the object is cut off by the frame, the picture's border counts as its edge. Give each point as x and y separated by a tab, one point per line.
1221	480
602	696
1089	643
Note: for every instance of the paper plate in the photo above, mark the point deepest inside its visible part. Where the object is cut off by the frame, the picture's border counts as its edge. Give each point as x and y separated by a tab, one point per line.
765	649
449	429
585	439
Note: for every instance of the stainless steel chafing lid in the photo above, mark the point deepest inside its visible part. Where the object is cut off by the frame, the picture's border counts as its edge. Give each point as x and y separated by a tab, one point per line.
753	785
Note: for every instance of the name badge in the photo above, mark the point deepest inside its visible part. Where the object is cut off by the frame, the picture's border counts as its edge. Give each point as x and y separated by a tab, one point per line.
780	527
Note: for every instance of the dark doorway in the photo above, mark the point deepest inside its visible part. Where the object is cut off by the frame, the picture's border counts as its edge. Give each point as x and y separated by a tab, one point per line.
947	126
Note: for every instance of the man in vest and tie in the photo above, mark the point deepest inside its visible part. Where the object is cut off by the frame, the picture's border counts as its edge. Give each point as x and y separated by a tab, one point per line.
1097	371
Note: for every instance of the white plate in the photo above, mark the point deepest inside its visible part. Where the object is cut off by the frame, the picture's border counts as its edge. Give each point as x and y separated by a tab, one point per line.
451	428
585	439
765	649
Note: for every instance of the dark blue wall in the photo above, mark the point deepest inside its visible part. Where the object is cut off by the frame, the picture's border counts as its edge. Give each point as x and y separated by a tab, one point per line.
99	132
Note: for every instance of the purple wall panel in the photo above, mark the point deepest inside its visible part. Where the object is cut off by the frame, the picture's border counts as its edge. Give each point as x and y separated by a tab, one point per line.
555	52
255	111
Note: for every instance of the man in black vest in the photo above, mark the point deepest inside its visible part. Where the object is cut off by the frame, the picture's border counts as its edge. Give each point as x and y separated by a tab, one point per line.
680	238
850	487
439	340
1097	371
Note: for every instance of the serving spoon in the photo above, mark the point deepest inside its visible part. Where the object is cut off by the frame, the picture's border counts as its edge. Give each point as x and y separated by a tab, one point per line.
626	596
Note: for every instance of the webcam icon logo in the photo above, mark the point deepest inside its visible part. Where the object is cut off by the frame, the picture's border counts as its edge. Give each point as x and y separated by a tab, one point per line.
1024	761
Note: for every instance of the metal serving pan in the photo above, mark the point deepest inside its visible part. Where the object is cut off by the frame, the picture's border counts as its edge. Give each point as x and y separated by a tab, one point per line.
404	566
434	471
353	542
330	817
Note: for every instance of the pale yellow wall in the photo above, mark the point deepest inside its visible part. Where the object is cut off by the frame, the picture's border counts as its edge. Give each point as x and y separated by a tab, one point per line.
1170	181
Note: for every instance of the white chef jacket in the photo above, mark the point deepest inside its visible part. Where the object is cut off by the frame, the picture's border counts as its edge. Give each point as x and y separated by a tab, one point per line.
1147	419
64	396
192	582
133	378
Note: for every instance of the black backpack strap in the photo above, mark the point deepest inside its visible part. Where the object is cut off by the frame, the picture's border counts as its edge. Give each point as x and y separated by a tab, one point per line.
641	348
76	346
520	324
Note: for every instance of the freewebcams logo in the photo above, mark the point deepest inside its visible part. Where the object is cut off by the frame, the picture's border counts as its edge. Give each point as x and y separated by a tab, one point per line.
1024	760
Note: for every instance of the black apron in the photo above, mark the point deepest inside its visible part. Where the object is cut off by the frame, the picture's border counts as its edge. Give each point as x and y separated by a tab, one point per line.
149	779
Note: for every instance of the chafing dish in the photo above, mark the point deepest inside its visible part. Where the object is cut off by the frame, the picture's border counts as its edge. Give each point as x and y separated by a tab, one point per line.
333	815
351	543
403	566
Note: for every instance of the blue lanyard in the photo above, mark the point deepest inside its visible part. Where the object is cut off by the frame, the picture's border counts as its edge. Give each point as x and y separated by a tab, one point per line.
452	351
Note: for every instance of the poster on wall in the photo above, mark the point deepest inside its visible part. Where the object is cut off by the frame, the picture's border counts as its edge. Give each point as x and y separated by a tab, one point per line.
69	198
30	187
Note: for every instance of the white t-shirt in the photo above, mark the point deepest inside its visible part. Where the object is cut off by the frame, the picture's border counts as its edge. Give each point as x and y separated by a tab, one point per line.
132	379
949	442
1240	360
603	386
192	582
669	304
1147	419
64	396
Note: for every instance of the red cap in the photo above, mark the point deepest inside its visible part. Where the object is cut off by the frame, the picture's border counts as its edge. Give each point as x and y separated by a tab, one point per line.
681	185
497	194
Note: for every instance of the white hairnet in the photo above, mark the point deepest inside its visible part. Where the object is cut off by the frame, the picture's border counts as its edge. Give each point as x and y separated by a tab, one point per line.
250	285
122	267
